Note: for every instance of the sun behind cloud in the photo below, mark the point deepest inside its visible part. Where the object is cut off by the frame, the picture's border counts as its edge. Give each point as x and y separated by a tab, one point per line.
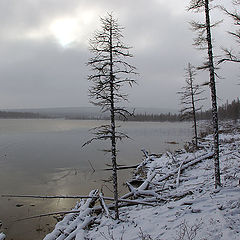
65	30
68	30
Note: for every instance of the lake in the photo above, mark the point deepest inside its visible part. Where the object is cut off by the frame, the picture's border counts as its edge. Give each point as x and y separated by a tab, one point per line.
45	157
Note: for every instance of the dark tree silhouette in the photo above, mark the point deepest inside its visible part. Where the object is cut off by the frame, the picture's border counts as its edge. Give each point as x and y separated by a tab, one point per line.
204	41
230	111
230	54
189	98
111	72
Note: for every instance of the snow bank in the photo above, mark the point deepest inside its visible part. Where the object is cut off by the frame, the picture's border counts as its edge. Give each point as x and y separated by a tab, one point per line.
186	205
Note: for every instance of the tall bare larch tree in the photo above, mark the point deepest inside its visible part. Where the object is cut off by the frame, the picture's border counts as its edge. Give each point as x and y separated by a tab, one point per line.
189	98
204	41
111	72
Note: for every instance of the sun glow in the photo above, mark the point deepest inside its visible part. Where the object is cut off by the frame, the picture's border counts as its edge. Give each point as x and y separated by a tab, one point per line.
69	30
65	30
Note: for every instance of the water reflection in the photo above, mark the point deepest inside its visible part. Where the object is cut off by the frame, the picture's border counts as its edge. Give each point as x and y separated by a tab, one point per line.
45	157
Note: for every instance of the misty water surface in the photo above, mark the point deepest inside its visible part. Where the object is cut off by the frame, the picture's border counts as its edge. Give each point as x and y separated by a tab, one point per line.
45	157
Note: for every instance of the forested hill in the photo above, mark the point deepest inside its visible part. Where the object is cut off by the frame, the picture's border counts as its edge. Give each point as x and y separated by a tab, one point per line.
16	115
226	111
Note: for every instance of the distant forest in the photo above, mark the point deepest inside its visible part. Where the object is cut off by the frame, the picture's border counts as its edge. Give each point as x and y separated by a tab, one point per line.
226	111
16	115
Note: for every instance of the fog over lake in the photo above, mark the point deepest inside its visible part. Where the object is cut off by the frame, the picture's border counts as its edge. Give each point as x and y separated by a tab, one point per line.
45	157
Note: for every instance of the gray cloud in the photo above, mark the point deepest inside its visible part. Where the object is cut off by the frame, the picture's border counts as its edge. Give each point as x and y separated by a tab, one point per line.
39	72
44	75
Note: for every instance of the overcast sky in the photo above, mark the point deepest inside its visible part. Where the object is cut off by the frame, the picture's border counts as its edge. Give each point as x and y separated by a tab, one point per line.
44	50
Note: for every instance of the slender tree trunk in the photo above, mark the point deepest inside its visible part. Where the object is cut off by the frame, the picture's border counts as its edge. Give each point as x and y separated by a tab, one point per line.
213	96
193	107
113	129
194	119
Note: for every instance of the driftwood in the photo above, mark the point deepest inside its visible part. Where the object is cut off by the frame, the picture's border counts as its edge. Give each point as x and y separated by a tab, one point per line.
103	204
178	175
139	192
45	197
69	227
98	209
2	236
92	198
48	215
170	155
145	161
131	202
142	187
121	168
187	163
73	197
234	153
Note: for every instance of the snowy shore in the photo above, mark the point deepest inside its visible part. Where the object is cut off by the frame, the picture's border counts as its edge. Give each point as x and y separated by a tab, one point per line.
185	204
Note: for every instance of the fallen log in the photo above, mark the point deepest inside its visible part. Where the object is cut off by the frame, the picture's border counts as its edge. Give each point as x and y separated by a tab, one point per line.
65	197
187	163
178	175
44	197
138	192
79	231
2	236
104	206
98	209
48	215
67	228
127	202
143	186
147	159
121	168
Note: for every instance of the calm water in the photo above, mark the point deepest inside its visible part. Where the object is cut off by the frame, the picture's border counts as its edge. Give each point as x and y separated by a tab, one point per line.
46	157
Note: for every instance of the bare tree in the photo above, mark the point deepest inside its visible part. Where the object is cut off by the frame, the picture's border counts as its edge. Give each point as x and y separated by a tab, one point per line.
230	54
204	41
111	72
189	98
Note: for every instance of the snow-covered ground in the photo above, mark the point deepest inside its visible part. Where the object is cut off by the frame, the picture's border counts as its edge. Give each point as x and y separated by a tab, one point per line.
186	205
